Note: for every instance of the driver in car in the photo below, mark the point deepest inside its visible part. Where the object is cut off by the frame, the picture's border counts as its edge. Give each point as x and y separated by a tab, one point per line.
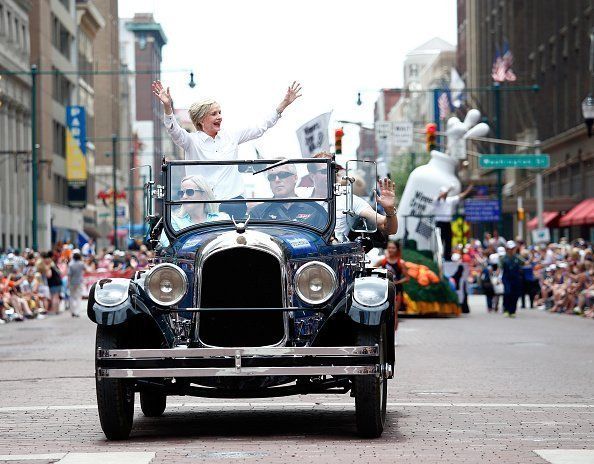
283	180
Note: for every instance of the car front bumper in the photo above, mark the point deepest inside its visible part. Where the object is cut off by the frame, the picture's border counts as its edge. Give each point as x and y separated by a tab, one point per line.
240	362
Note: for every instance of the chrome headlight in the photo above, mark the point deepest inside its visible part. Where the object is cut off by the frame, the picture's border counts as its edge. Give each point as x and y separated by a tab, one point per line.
315	282
111	292
166	284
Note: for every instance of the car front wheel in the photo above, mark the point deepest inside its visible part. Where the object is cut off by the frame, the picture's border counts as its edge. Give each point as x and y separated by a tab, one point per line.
371	392
115	397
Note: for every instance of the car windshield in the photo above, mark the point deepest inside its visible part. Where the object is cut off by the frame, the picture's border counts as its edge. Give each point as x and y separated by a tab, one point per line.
272	191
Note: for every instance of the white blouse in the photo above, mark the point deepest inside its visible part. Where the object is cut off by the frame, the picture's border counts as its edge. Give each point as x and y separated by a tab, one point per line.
225	181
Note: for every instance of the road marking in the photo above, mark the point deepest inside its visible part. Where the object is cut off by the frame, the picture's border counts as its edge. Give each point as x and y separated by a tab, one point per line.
331	404
567	456
85	458
108	458
31	457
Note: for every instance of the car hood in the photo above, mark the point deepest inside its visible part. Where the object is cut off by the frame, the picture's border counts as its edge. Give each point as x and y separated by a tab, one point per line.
297	242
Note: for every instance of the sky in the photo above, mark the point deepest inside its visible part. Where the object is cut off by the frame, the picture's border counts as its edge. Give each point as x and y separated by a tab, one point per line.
246	53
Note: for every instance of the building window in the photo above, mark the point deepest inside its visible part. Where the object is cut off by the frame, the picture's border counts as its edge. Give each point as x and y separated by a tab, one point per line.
85	58
62	88
61	38
59	139
9	24
60	190
553	51
2	19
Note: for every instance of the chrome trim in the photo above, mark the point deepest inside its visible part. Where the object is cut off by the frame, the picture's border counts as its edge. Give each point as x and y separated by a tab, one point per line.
310	264
283	351
254	240
234	372
152	272
99	289
360	280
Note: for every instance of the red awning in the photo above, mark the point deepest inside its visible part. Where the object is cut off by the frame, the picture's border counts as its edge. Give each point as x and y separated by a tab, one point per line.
549	219
580	215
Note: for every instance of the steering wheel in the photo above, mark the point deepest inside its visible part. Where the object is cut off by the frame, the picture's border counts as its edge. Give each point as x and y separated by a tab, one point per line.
318	217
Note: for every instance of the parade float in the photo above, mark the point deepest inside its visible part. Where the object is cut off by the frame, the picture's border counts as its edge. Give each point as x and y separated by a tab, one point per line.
434	287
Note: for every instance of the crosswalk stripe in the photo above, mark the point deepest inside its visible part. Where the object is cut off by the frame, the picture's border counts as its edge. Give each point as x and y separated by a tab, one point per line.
567	456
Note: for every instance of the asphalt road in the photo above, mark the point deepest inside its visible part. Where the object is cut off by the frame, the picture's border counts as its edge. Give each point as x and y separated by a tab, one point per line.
479	388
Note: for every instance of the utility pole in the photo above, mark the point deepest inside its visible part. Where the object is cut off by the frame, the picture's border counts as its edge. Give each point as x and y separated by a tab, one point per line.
34	165
114	139
497	96
539	198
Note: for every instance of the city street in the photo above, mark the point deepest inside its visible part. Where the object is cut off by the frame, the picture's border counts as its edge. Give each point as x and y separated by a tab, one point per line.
479	388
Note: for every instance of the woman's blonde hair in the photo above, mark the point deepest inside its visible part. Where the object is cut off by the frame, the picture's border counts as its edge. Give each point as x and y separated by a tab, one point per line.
199	182
199	109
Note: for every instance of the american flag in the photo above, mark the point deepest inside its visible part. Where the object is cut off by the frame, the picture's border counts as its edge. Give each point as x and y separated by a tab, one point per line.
508	60
443	103
502	64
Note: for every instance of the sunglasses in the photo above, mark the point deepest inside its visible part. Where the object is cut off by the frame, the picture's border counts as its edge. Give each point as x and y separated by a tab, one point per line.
189	192
318	171
280	175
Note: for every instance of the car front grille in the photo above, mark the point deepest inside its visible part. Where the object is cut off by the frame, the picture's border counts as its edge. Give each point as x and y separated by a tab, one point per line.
241	278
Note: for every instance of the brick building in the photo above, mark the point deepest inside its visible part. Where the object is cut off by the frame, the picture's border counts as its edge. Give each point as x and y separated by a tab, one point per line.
550	44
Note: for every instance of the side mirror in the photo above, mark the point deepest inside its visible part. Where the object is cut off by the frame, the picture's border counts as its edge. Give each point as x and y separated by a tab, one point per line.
140	230
361	181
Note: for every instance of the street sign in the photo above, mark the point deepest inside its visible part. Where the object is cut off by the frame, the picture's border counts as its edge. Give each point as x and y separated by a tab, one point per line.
402	133
481	210
541	235
539	161
399	133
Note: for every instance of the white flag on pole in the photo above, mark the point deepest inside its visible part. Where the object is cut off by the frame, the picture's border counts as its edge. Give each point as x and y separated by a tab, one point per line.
456	87
313	136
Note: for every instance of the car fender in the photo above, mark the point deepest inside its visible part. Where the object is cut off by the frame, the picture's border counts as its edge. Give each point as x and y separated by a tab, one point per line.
381	292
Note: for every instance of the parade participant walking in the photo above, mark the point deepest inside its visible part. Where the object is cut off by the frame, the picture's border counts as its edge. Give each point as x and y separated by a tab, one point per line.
76	269
211	143
443	211
393	262
54	282
512	278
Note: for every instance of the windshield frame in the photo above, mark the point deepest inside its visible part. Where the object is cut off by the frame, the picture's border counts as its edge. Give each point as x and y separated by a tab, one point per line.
168	202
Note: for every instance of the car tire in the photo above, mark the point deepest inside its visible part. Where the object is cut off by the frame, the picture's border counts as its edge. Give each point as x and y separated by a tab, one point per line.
115	397
371	392
152	403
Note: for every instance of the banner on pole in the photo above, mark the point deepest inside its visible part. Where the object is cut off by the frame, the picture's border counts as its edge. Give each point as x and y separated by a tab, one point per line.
313	136
76	150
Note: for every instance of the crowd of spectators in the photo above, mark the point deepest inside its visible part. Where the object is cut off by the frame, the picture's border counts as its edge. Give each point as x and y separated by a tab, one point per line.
34	285
558	277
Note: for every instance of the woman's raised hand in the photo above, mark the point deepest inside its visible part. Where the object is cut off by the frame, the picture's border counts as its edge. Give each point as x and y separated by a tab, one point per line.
163	95
293	93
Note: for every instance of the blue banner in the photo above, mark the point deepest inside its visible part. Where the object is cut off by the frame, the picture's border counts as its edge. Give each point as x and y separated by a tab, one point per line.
481	210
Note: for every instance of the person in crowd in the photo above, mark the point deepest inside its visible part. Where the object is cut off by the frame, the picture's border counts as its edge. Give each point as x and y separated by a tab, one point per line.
88	249
211	143
531	287
512	279
444	208
76	269
54	282
393	262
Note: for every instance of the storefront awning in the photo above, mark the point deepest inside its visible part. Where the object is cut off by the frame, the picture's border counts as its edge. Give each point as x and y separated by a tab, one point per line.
580	215
549	220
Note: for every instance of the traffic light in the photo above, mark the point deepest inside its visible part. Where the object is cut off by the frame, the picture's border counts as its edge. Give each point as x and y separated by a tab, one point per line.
431	136
338	133
521	214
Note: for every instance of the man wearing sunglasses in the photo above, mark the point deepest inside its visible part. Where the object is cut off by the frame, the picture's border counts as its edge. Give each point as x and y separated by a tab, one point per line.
283	180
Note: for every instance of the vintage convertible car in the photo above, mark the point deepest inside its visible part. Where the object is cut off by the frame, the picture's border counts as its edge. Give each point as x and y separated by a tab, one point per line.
249	297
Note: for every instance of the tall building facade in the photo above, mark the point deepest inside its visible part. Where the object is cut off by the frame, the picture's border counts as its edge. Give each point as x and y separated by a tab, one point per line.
15	125
550	43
